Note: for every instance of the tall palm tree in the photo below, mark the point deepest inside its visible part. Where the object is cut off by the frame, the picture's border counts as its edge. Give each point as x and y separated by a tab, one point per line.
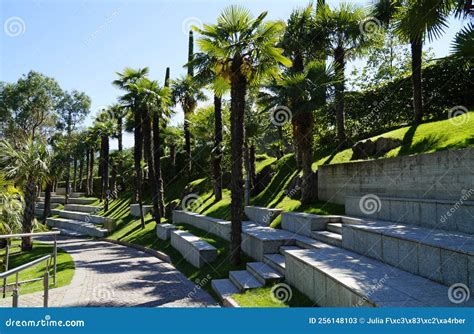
414	21
206	75
187	92
345	41
105	128
154	100
11	208
27	165
127	78
246	52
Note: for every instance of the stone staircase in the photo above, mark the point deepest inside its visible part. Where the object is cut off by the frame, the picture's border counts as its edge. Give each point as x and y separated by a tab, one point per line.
352	261
78	218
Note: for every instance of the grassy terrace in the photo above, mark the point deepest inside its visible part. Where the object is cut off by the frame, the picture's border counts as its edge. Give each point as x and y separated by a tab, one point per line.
428	137
65	266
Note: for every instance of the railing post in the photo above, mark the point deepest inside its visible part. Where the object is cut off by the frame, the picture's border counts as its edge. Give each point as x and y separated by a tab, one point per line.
55	254
15	292
46	288
7	256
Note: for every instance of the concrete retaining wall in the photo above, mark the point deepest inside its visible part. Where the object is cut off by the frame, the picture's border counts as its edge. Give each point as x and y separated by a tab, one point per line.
440	175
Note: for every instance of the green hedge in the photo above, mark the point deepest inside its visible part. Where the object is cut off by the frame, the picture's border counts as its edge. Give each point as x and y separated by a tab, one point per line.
447	83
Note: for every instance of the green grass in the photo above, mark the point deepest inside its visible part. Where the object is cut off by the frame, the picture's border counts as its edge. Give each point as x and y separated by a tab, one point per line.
264	297
453	133
65	266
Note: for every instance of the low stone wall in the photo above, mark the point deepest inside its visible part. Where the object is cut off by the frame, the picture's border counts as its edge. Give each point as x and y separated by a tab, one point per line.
196	251
440	175
261	215
304	223
437	214
135	209
215	226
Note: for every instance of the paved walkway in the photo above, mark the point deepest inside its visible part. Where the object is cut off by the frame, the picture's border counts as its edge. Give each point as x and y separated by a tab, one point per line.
115	276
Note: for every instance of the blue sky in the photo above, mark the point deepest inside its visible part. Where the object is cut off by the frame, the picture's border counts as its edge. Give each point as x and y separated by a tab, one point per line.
82	43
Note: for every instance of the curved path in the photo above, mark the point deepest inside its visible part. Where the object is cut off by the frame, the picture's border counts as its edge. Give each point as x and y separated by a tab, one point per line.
116	276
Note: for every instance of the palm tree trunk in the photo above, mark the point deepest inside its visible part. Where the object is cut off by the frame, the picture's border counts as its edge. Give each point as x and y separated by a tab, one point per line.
173	155
238	91
68	178
91	172
253	174
303	127
81	171
47	201
416	77
217	152
28	214
74	174
187	143
88	191
247	173
105	170
120	149
339	59
157	163
137	156
151	168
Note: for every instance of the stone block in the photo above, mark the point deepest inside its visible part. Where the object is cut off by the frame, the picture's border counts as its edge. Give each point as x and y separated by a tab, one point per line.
196	251
163	231
454	267
261	215
320	288
347	237
429	262
135	209
408	256
390	250
303	223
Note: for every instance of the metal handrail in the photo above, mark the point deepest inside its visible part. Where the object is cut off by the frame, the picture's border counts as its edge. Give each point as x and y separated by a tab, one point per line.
21	235
24	266
7	273
17	270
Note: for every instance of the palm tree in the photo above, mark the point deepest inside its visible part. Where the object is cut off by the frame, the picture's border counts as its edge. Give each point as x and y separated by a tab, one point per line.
298	43
127	78
246	53
187	92
414	21
104	126
346	40
11	208
154	100
463	44
207	76
27	165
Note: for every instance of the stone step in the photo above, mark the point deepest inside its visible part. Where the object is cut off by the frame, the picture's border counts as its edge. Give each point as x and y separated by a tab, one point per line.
264	273
340	278
196	251
261	215
334	227
224	288
78	226
71	195
244	280
81	216
310	243
82	208
276	261
61	200
328	237
39	212
40	205
69	233
283	249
